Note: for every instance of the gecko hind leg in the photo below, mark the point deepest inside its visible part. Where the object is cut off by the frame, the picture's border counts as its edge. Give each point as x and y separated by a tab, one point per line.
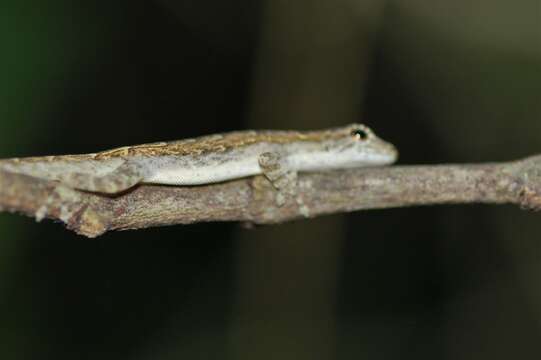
122	178
277	171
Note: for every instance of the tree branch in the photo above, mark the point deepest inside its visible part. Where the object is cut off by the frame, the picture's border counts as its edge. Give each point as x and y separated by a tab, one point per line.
253	200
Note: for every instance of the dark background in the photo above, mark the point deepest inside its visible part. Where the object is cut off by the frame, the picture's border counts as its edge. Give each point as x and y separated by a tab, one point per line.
445	81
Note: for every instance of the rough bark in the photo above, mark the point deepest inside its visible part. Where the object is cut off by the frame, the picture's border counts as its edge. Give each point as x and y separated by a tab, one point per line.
253	200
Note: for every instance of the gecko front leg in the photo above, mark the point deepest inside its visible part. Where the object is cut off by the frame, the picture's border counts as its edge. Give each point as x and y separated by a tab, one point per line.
120	179
284	179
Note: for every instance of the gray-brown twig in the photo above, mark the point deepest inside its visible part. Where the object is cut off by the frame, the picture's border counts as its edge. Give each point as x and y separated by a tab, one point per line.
253	199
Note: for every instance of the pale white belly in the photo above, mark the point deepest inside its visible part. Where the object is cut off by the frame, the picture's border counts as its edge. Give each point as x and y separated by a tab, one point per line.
196	174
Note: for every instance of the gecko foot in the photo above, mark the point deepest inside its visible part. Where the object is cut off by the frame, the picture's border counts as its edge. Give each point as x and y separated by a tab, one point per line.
120	179
282	178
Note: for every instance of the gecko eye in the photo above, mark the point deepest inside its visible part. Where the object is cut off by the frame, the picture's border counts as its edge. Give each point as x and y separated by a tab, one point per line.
359	134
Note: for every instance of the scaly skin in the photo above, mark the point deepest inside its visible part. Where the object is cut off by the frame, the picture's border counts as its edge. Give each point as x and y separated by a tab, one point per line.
279	155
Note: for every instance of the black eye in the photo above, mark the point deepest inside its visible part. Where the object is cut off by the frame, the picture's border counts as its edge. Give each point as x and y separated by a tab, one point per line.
359	134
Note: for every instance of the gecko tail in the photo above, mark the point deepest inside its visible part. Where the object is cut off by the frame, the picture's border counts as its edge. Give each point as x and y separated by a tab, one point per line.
101	177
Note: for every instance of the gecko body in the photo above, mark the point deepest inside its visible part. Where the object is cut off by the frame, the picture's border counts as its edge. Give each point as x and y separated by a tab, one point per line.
279	155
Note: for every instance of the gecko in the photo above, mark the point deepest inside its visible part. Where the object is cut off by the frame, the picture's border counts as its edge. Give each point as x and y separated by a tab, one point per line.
278	155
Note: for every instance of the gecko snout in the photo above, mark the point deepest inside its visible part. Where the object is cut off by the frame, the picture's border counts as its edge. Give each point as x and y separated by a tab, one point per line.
386	152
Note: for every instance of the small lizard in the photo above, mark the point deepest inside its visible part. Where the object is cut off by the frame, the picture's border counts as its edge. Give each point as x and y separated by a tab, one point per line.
278	155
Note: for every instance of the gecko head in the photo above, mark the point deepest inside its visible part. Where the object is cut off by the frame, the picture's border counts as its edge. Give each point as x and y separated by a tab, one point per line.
363	147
